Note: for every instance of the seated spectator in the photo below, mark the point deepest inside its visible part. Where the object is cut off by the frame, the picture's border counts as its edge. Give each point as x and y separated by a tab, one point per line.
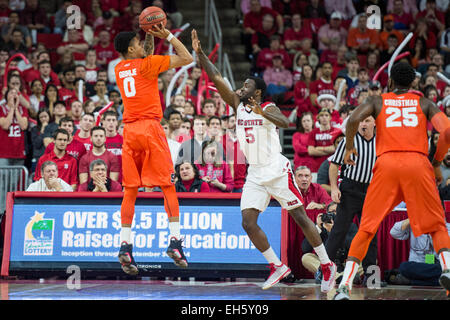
287	9
389	30
105	49
300	140
332	30
84	134
330	54
76	111
59	111
408	6
91	67
174	122
174	146
320	143
15	82
34	17
49	181
98	151
44	127
422	267
109	24
74	147
292	37
323	85
67	165
51	96
215	131
101	94
245	5
345	7
188	178
422	31
234	154
99	181
61	17
14	24
17	38
403	20
213	169
328	101
266	55
46	76
68	91
209	108
362	84
300	59
278	79
13	124
75	44
316	199
302	91
4	12
261	38
435	18
253	22
362	39
351	71
191	150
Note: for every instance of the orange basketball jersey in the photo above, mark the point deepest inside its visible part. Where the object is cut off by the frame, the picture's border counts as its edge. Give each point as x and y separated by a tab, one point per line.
401	124
137	80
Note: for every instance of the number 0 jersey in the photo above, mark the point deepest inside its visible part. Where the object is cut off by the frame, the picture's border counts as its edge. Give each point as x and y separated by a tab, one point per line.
137	80
401	124
258	137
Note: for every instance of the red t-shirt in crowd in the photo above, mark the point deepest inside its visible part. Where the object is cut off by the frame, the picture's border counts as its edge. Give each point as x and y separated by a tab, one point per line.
12	140
76	149
67	167
318	138
111	160
86	141
322	86
108	52
114	145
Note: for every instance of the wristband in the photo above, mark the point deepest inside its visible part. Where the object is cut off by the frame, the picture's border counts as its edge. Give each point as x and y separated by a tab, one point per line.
170	37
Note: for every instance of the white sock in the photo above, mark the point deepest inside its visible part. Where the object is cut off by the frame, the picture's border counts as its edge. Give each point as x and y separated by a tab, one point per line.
322	254
351	269
271	256
174	229
444	258
125	235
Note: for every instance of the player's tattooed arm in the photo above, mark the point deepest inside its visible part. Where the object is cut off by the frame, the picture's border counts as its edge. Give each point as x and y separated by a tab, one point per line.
149	44
214	75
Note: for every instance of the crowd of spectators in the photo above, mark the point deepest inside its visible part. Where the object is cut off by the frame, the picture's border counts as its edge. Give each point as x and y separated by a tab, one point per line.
304	50
49	110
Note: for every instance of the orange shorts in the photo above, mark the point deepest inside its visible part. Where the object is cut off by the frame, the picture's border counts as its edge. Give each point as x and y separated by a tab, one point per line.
146	159
409	177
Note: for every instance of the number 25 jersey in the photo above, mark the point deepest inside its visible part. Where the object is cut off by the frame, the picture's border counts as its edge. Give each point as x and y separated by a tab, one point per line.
401	124
137	80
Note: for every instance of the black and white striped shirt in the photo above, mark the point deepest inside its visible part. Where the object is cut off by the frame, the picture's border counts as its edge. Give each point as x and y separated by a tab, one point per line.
362	171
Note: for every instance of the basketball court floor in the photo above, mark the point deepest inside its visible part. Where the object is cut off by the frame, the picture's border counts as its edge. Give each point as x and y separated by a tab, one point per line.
238	289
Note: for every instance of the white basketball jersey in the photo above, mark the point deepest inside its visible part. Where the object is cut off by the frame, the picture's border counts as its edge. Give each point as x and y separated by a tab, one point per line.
258	137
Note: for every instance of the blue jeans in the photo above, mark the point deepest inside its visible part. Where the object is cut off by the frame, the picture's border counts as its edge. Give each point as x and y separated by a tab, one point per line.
421	274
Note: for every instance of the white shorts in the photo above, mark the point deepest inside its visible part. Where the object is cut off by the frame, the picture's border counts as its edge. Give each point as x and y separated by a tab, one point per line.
276	180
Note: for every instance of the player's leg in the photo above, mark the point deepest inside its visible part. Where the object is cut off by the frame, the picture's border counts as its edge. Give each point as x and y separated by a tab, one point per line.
175	249
126	248
383	195
131	164
254	200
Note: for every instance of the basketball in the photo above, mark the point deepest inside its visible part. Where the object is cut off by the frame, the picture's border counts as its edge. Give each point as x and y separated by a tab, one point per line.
151	16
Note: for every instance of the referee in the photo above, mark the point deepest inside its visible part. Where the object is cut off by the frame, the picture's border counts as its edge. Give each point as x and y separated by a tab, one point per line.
351	193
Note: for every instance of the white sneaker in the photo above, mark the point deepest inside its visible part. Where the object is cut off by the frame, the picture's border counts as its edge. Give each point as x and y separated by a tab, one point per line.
276	274
342	293
328	277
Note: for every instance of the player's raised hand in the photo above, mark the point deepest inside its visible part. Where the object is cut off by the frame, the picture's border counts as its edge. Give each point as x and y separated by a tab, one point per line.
255	106
196	45
158	30
347	156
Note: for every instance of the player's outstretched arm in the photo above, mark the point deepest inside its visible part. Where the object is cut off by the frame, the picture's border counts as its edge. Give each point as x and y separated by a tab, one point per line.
183	56
214	75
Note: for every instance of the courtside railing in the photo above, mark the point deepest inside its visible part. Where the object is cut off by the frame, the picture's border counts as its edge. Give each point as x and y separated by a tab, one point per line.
213	31
12	178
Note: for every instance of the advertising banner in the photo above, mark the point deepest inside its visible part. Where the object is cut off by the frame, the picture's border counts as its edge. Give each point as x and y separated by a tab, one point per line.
90	233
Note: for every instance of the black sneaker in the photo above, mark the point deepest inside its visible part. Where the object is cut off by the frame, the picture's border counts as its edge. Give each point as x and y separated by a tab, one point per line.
444	280
126	259
175	251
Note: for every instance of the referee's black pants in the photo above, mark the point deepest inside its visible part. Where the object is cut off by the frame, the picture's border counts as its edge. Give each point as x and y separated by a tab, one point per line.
352	200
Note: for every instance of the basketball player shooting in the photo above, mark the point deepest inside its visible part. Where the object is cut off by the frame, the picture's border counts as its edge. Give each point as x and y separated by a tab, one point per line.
146	160
402	171
269	172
